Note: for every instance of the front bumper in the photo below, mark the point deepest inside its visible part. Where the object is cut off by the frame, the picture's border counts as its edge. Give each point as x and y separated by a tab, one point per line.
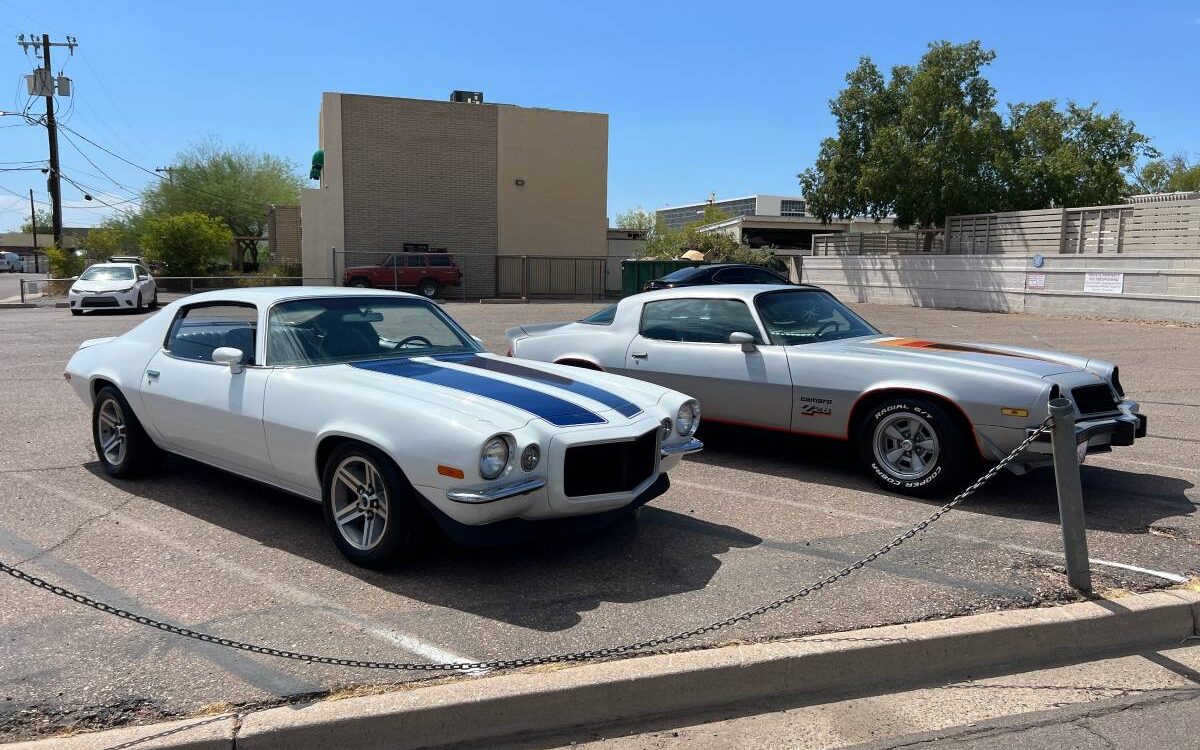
102	300
1099	434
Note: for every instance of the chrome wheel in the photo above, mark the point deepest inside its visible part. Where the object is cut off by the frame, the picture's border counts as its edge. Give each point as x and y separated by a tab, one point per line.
113	432
360	502
906	446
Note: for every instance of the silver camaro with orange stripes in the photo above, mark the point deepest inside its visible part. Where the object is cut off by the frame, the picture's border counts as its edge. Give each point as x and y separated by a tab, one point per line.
794	359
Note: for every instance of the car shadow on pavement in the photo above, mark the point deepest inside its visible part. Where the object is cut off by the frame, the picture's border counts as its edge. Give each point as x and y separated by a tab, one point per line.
1114	500
545	585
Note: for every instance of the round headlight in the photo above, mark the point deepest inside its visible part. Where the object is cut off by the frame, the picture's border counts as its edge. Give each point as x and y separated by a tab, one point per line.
688	418
530	457
493	459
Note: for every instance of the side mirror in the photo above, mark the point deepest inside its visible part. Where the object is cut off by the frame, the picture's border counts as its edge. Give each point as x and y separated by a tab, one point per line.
745	339
228	355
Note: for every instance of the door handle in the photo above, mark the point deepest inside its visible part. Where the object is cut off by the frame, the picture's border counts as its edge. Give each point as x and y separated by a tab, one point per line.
152	374
639	355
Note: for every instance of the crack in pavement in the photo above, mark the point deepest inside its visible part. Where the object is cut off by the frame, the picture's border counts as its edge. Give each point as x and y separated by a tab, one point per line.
76	531
1171	695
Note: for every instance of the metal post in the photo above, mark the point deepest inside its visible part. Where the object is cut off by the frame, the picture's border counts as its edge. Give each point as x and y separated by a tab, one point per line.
525	278
333	265
1070	494
22	283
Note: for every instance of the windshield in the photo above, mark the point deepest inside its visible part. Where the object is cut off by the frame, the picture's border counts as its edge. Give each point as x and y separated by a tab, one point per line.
107	273
353	329
807	316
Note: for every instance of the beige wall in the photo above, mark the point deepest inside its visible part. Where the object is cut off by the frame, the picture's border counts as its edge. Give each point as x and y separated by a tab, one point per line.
562	157
322	210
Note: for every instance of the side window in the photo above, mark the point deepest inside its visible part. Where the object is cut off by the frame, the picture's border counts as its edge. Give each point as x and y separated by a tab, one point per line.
199	329
414	261
730	276
142	272
764	277
442	261
705	321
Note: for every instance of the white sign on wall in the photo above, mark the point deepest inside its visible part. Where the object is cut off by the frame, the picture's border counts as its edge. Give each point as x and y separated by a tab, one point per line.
1104	283
1035	281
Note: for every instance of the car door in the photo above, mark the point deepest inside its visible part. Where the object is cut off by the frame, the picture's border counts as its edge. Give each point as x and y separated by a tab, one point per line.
145	284
415	269
202	408
684	344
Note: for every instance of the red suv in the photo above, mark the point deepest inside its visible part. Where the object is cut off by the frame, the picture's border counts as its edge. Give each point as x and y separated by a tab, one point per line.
425	272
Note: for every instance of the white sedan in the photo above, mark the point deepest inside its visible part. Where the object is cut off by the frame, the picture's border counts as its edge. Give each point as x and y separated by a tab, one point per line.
380	406
113	286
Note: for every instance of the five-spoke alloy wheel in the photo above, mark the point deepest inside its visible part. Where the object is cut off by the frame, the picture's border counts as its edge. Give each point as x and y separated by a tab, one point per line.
122	445
369	508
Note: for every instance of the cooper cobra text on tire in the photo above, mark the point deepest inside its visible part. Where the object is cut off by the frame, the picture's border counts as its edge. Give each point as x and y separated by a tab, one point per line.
915	446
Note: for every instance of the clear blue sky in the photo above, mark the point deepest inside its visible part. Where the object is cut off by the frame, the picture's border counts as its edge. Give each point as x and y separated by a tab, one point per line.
728	97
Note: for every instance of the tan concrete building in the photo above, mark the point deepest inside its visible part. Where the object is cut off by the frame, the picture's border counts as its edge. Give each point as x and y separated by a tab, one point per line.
478	180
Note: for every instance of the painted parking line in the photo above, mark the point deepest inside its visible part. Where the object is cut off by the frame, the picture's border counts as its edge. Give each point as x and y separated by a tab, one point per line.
1173	577
302	596
892	522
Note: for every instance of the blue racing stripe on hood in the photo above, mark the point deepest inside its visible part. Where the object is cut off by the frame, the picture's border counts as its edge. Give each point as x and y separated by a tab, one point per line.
555	410
508	367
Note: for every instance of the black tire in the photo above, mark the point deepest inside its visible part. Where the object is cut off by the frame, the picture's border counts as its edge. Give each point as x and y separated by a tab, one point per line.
429	288
140	455
910	464
405	522
154	300
360	282
77	312
138	307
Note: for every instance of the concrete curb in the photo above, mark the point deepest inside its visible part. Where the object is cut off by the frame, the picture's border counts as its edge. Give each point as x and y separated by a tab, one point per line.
816	667
16	305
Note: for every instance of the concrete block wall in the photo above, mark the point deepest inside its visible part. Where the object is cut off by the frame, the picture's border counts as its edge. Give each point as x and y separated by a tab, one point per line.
1159	287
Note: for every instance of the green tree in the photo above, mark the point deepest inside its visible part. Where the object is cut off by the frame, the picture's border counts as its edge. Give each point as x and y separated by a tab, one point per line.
234	184
637	218
928	142
45	222
190	244
1169	175
1070	157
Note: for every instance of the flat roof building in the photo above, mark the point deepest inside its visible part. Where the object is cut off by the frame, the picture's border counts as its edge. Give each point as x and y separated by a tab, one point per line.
477	180
677	217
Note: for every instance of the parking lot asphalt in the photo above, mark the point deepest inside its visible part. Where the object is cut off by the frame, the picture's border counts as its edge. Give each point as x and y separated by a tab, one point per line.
753	517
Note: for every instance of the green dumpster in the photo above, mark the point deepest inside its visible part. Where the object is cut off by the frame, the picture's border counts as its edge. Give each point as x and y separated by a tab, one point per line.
635	274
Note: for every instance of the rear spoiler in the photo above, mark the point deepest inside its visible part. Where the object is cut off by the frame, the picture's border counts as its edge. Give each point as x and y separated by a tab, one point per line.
531	329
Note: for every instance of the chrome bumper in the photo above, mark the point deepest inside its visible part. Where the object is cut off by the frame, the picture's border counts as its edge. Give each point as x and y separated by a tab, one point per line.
499	492
691	446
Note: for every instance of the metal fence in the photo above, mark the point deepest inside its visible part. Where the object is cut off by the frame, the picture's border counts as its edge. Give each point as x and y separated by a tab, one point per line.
50	289
480	275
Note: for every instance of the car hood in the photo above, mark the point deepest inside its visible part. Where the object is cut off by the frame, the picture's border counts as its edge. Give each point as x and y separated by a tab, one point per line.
507	392
1009	359
102	286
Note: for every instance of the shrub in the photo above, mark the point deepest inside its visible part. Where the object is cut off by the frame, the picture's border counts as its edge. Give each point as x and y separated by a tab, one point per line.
190	244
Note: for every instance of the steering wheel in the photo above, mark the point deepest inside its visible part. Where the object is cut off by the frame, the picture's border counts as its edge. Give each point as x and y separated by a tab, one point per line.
414	340
821	328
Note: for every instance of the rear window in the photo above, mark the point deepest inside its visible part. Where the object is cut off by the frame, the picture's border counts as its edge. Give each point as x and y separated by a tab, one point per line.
604	317
684	274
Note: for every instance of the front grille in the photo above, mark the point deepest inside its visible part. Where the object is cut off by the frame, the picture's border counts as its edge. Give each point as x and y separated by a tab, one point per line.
1094	399
610	467
99	302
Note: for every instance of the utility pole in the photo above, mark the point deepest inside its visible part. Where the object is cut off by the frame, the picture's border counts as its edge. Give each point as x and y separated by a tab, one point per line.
42	83
169	170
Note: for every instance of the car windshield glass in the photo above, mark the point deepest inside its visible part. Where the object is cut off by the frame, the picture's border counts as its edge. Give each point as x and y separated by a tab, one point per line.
683	274
107	273
352	329
603	318
808	316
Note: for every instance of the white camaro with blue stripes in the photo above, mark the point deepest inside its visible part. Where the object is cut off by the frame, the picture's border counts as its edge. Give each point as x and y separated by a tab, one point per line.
384	409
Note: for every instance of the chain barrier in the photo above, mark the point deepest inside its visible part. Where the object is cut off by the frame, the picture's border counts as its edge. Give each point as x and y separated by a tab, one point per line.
534	660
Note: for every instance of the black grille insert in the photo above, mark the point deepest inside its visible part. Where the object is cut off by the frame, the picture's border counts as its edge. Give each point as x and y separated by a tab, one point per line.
610	467
99	302
1094	399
